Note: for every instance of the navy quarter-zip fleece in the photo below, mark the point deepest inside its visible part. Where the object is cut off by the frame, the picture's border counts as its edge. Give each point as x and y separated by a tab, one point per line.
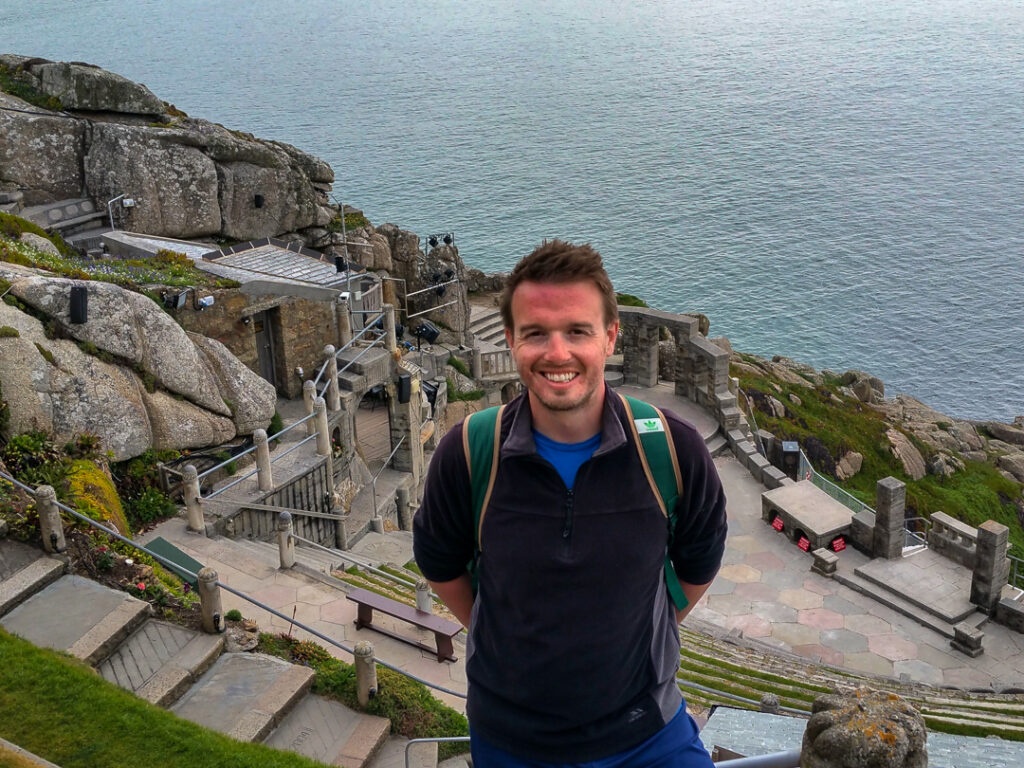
573	645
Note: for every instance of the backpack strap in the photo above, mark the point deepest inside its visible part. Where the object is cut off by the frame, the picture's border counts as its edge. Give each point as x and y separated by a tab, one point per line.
658	456
481	435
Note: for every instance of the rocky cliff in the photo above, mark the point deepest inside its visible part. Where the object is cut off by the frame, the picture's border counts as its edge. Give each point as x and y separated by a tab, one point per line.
129	374
73	129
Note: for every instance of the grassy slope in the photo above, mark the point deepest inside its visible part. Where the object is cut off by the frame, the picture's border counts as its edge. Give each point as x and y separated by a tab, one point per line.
61	710
827	430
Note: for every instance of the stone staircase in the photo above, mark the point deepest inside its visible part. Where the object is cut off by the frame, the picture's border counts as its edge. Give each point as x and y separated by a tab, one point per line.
248	696
372	367
77	220
487	327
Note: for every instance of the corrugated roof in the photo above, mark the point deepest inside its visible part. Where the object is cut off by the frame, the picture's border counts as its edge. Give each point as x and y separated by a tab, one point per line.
273	261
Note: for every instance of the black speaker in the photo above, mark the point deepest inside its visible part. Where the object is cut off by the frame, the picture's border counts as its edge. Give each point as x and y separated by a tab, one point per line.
427	331
399	330
404	387
430	390
79	304
257	201
340	265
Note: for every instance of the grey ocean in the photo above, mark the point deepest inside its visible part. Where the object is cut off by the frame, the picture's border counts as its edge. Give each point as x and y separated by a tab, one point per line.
841	182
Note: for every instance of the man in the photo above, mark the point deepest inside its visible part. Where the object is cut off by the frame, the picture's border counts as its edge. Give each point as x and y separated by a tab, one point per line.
573	638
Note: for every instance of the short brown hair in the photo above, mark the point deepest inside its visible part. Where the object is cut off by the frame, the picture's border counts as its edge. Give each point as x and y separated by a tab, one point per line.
561	262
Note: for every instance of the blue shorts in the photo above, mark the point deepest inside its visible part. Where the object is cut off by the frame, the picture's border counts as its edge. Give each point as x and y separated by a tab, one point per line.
677	745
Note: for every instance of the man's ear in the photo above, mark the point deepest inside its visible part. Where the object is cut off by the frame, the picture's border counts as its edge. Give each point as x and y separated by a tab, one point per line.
611	334
508	337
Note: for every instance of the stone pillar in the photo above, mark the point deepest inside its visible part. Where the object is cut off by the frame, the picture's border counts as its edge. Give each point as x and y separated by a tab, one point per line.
308	396
209	602
878	728
264	473
404	509
890	505
50	524
331	374
323	436
478	363
642	353
340	535
389	327
285	542
991	566
193	504
405	421
423	600
344	324
366	672
770	704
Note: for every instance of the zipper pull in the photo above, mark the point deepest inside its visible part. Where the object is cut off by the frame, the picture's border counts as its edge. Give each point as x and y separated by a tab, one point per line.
567	528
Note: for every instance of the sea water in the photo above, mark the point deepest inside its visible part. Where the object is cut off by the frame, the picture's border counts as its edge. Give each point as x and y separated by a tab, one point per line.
840	182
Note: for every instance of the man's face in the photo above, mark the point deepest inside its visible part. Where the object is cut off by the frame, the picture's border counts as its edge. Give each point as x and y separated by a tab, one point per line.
560	343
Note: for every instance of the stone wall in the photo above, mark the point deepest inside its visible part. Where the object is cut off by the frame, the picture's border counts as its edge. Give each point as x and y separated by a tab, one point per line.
953	539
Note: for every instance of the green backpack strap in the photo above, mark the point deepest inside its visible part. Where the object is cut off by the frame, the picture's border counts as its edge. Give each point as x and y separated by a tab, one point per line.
481	435
661	465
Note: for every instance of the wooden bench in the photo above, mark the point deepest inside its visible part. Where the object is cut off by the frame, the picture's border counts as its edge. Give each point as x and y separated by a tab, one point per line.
443	629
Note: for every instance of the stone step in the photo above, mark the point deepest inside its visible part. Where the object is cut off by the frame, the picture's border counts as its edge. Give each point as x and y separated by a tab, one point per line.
267	552
371	362
245	695
459	761
613	363
325	730
898	604
393	547
160	661
613	378
392	754
78	224
24	570
78	616
949	612
351	382
90	238
50	215
717	444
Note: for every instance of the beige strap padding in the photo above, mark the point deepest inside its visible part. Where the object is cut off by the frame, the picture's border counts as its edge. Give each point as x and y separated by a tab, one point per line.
494	474
465	445
643	456
672	452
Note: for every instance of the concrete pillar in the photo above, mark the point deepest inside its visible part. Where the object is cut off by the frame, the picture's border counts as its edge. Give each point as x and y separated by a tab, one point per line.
404	509
389	327
770	704
308	396
340	535
285	542
331	375
890	505
366	672
50	524
323	437
478	363
193	505
991	566
879	728
209	602
264	473
423	600
377	524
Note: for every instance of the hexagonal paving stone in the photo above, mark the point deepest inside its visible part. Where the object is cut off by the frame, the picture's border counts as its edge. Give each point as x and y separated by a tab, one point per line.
750	625
841	605
820	652
820	618
796	634
745	544
800	599
757	591
868	662
844	640
892	647
867	624
729	605
918	671
740	573
774	611
765	561
721	586
818	586
938	658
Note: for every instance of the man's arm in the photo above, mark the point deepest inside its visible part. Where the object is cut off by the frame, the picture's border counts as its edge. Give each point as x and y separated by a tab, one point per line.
457	594
693	592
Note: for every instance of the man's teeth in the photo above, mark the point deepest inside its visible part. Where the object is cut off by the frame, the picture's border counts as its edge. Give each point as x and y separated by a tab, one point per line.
560	376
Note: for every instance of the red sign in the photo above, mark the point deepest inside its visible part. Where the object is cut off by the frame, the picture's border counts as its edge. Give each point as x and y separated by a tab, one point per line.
777	523
838	544
804	543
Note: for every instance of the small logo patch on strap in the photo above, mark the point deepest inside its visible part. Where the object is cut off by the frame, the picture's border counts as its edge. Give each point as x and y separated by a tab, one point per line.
645	426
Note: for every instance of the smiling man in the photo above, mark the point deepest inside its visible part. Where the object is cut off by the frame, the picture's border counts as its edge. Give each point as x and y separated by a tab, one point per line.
573	633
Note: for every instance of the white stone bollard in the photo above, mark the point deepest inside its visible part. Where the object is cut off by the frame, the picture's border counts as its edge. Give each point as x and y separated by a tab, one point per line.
389	327
264	473
193	503
377	524
423	600
285	542
50	524
366	672
323	436
308	396
331	374
209	601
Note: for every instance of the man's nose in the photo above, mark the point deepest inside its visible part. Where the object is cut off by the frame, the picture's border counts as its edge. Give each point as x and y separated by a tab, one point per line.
557	348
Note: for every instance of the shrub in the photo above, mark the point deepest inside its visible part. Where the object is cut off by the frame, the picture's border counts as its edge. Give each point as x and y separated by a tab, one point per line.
233	615
276	424
93	494
459	366
454	394
152	504
17	83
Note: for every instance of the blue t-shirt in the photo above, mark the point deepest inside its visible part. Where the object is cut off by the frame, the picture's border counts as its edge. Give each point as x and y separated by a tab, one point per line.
566	457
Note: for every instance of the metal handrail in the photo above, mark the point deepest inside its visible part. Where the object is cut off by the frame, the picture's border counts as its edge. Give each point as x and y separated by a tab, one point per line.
735	697
295	447
1016	564
922	540
353	340
181	569
759	443
233	483
227	461
839	494
383	467
291	426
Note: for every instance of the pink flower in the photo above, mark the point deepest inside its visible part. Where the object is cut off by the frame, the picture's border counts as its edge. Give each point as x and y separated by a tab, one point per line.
141	586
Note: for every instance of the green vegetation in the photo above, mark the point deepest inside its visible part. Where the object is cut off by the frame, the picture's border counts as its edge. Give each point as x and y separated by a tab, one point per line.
827	424
6	332
353	220
61	710
459	366
276	424
629	300
233	615
410	707
138	483
17	83
46	353
454	395
14	226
